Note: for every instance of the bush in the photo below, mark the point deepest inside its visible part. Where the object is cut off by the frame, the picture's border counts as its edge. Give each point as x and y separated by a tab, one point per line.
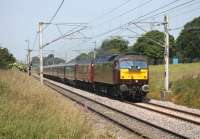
6	58
187	92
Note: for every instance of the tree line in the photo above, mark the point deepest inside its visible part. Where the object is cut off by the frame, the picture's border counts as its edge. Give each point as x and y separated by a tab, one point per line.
6	58
48	60
186	47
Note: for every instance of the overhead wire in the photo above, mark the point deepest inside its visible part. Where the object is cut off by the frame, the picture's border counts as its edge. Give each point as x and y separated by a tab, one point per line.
156	42
175	10
35	40
54	15
110	11
126	12
63	36
163	12
185	12
50	21
153	11
131	22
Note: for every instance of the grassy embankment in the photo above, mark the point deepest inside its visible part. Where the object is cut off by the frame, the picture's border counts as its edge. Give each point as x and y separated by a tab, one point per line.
29	110
184	80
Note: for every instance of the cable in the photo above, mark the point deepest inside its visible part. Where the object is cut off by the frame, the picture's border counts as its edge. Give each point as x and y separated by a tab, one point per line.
140	27
59	30
164	6
126	12
102	34
185	12
153	11
64	35
158	43
177	6
35	40
109	12
52	18
176	28
69	24
131	22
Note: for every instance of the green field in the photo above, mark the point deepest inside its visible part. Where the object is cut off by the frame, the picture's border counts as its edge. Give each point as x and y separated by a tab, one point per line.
184	82
31	111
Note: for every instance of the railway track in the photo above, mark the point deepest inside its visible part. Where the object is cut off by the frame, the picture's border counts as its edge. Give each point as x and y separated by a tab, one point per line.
130	122
175	109
169	111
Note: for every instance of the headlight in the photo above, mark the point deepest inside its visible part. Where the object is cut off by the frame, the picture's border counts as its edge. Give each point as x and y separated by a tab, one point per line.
145	88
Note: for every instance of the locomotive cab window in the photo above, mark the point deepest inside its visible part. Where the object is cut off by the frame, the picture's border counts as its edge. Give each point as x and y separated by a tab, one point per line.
127	64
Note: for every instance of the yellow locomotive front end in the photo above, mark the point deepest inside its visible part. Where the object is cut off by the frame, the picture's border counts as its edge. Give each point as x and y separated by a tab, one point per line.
127	74
134	76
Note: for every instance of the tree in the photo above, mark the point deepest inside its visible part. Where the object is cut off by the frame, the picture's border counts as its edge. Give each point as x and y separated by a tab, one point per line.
148	45
83	56
188	42
49	60
6	58
113	45
35	61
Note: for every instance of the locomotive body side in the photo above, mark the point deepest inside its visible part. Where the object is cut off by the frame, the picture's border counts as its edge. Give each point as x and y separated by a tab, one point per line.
125	76
103	73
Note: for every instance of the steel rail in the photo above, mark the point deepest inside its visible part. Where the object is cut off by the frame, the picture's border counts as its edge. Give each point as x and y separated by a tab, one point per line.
174	109
169	114
115	110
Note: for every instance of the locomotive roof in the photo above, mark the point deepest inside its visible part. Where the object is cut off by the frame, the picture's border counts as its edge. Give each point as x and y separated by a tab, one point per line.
130	55
106	58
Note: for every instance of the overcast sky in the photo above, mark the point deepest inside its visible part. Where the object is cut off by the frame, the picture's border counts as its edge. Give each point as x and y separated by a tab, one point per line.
19	22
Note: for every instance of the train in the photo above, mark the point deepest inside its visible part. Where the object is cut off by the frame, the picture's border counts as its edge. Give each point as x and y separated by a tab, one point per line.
121	76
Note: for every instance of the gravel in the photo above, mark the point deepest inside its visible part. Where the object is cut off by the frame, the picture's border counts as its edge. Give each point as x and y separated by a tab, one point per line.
184	128
185	116
105	128
172	105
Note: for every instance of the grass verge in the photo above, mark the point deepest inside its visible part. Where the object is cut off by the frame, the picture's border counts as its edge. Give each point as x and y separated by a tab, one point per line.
31	111
184	83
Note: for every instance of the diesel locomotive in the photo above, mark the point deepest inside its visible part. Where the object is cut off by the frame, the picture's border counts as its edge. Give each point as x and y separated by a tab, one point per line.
122	76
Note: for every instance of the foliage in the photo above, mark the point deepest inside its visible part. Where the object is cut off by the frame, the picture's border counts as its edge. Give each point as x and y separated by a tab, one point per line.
31	111
109	46
113	46
186	92
188	42
83	56
19	66
6	58
49	60
147	46
35	61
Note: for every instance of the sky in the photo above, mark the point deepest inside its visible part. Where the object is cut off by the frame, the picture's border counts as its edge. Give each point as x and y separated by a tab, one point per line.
20	18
